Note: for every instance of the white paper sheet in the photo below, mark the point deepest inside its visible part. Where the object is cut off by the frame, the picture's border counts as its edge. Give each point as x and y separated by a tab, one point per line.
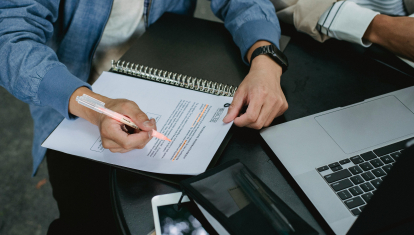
191	119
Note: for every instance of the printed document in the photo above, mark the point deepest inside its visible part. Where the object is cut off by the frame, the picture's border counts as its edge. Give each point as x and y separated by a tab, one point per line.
191	119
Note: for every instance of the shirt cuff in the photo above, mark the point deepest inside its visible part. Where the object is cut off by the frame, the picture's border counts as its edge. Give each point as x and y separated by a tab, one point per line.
56	88
347	21
251	32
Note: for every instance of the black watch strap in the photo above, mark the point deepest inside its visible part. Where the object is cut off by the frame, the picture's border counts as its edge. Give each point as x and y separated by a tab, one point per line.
273	52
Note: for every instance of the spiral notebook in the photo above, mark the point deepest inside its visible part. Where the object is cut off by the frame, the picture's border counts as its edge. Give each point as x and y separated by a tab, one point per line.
180	80
190	118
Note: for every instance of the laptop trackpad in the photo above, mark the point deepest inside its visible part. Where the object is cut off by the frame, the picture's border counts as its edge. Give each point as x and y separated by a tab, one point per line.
368	124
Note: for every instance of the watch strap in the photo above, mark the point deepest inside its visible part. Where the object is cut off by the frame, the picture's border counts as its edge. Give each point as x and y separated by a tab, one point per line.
274	53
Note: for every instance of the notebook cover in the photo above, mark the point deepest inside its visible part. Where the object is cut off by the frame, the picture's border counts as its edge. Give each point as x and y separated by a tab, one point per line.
189	46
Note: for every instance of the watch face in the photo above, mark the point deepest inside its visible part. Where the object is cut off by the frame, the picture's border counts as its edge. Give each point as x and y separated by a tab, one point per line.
278	54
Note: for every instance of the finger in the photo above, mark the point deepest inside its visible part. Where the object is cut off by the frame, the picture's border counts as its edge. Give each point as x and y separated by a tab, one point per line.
272	116
140	118
235	106
136	141
119	150
282	108
109	144
277	111
265	112
251	115
112	131
116	150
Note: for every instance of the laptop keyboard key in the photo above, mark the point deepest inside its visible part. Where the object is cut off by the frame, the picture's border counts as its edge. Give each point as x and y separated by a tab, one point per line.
367	187
345	161
395	155
355	170
368	176
356	191
344	194
387	168
376	163
337	168
376	182
332	165
366	166
362	207
337	176
378	172
356	159
356	211
354	202
357	179
368	156
390	148
367	197
343	184
323	168
387	159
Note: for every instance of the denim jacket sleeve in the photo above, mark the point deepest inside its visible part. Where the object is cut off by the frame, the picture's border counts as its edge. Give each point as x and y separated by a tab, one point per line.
30	70
248	21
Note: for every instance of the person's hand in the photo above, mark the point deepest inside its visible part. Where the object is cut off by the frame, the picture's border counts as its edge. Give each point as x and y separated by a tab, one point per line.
396	34
261	91
115	136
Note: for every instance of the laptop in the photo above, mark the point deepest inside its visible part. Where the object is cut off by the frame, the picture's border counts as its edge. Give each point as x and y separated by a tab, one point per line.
340	157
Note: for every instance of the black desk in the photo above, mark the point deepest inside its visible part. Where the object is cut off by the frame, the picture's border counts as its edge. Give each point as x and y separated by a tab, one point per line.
320	77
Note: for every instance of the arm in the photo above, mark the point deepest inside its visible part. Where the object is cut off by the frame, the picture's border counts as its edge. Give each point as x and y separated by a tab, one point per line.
353	23
393	33
254	24
304	15
32	72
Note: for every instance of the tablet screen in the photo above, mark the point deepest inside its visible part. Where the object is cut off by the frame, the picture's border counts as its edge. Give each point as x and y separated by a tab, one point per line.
174	221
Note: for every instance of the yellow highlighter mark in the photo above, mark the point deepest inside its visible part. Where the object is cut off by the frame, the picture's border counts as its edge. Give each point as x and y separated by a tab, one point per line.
185	141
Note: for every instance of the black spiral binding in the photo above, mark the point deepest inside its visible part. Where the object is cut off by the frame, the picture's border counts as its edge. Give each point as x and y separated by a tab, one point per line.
180	80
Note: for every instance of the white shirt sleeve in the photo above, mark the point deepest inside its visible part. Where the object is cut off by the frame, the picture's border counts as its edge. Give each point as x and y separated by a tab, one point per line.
347	21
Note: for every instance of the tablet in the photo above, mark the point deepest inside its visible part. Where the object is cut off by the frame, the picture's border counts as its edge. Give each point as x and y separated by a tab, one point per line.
169	218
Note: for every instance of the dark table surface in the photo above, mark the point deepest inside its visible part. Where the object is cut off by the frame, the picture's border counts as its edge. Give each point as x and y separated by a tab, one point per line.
320	77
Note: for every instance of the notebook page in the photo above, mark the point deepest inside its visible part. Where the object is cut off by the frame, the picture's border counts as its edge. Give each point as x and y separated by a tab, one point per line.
191	119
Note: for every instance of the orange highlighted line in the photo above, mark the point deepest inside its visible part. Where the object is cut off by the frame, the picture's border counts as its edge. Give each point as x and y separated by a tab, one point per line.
185	141
202	113
195	120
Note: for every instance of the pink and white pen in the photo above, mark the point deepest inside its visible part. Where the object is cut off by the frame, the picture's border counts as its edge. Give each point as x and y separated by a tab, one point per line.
99	107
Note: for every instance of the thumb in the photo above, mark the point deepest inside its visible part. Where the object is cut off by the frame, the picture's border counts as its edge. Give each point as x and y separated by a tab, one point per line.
235	107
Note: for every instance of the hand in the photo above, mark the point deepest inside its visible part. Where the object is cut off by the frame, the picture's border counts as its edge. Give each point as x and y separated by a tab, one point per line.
115	136
396	34
261	91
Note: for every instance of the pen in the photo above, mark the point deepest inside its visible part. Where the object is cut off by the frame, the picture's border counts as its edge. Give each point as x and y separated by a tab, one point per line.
264	202
99	107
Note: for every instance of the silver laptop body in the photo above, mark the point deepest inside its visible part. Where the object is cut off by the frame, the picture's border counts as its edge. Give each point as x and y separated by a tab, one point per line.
305	144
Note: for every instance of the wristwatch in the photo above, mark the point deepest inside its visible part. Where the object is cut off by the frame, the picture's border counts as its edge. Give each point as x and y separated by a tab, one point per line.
274	53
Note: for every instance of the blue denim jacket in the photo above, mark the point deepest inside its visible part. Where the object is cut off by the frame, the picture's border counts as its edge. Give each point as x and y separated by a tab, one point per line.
47	47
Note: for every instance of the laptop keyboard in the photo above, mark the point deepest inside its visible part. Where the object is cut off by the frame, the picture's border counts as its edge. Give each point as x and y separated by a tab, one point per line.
354	180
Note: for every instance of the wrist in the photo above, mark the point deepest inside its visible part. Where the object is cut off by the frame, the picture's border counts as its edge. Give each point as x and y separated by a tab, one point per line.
81	111
377	30
254	47
264	62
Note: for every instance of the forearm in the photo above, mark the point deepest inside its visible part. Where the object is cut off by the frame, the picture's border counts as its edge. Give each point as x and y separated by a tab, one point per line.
248	22
32	71
393	33
81	111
